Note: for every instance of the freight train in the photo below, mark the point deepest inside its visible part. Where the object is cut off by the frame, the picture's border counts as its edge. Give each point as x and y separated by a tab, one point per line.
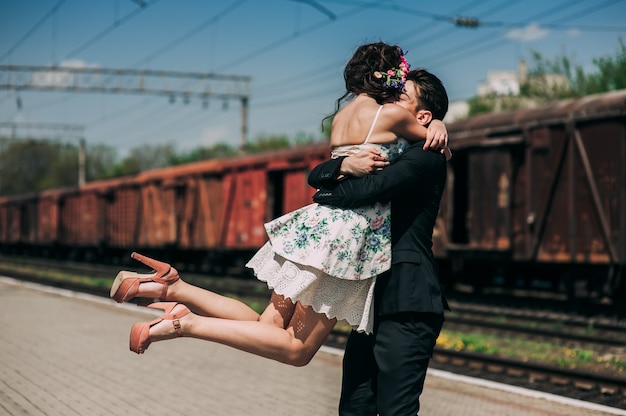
535	199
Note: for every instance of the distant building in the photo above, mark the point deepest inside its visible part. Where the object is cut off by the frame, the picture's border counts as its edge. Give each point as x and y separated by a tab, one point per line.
500	83
456	110
510	82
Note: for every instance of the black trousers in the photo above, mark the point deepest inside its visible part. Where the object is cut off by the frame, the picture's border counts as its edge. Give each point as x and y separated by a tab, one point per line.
384	373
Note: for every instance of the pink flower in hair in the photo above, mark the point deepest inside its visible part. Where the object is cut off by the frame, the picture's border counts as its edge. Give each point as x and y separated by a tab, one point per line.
395	77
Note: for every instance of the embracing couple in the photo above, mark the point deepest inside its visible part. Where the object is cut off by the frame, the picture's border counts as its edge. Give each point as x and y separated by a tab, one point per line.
361	254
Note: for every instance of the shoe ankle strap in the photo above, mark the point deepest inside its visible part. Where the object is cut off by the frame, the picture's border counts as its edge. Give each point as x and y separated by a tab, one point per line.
177	327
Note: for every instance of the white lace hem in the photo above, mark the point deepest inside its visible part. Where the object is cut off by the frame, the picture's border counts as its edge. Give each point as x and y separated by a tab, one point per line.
350	301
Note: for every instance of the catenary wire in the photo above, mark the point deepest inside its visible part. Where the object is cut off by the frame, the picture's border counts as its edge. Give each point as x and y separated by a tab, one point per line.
199	28
338	66
110	29
291	37
458	53
33	29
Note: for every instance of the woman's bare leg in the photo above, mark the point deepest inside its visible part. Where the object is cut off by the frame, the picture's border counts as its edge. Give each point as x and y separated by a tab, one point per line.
278	312
200	301
206	303
296	344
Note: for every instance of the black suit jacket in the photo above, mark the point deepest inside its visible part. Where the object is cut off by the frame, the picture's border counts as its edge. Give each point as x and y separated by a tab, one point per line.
414	184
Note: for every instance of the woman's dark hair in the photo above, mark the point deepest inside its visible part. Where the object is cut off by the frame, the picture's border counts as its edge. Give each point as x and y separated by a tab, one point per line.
359	73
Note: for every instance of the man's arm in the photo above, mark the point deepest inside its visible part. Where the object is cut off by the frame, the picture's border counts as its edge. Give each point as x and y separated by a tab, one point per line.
411	174
326	174
366	161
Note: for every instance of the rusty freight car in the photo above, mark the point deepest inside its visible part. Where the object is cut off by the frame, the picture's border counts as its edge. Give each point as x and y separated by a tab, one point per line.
210	212
213	211
537	197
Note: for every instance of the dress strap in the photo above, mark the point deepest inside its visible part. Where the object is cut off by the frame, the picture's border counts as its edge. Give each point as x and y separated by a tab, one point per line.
373	124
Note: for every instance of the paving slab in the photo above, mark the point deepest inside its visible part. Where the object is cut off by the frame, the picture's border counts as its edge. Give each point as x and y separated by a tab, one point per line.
66	353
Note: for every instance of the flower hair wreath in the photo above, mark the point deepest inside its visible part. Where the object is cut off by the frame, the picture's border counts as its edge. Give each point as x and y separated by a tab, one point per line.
394	77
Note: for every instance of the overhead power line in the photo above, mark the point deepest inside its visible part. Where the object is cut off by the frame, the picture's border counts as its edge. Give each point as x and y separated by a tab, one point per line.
319	7
291	37
335	68
214	19
465	21
472	22
32	29
110	28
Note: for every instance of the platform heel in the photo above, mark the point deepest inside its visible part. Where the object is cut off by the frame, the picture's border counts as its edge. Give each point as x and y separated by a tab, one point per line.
126	284
140	333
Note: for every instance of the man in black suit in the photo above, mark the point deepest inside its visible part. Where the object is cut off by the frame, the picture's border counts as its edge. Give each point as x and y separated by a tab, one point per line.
384	373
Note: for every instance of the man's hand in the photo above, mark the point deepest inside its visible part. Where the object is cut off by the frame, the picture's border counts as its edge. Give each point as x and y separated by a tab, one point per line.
362	163
437	136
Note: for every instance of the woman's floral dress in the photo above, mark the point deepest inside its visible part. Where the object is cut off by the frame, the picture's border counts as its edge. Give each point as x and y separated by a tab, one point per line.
329	257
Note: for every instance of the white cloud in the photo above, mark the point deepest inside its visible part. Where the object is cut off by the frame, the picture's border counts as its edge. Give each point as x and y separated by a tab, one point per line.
77	63
532	31
573	32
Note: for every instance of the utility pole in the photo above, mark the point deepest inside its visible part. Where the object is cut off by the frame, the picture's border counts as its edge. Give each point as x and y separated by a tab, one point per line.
81	162
244	123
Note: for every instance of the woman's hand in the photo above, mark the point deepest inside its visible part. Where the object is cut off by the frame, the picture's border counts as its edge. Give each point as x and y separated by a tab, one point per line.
363	162
437	136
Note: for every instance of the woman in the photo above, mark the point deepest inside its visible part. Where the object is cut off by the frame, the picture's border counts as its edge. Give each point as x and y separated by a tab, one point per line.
291	329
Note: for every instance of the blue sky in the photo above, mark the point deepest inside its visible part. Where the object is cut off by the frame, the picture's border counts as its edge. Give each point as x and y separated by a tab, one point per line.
293	50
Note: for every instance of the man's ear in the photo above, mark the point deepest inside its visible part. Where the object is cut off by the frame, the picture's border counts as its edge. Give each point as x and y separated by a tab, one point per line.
424	117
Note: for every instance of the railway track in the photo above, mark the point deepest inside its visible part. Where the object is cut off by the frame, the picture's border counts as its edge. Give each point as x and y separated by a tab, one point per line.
600	388
604	389
566	328
583	385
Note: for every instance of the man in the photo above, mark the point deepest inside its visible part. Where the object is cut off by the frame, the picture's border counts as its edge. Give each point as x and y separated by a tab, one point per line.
384	372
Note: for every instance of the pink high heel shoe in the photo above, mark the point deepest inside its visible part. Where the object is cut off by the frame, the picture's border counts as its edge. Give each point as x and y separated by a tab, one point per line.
126	284
140	333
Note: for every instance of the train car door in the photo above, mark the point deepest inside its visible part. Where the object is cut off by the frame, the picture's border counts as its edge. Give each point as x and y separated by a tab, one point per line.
479	203
244	209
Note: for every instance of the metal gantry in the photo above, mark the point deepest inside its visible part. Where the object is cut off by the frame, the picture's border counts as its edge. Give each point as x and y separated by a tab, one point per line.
171	84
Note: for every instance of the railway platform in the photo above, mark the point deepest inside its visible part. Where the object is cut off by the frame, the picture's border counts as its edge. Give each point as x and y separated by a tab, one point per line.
66	353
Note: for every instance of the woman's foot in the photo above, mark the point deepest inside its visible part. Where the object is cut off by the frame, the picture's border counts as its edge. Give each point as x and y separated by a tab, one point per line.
166	327
128	285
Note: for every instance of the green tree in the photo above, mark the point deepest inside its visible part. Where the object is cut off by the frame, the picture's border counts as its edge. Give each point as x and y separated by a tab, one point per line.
33	165
558	78
100	162
62	169
611	73
326	127
265	143
148	157
552	79
302	138
220	150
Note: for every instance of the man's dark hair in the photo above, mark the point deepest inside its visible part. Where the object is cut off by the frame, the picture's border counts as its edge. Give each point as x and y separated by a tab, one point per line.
432	94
